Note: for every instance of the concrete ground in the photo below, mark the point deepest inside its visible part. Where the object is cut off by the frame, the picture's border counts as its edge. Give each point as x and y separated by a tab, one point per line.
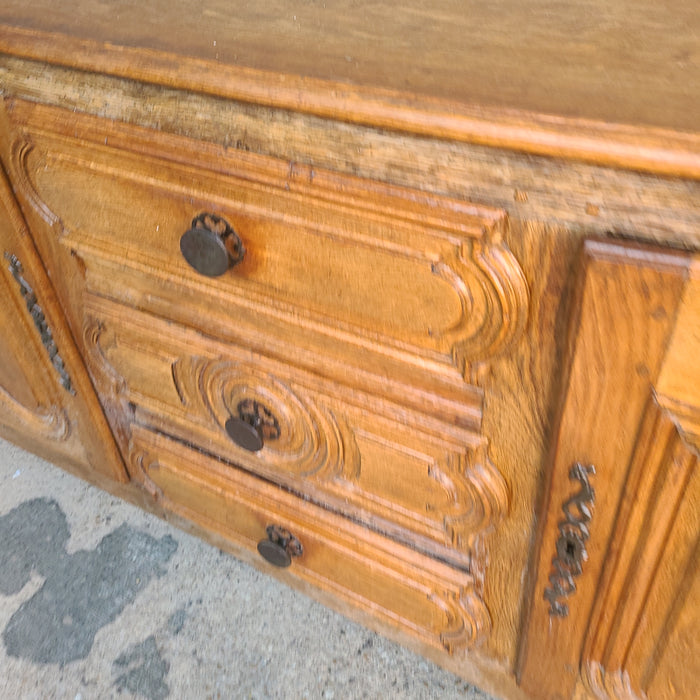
101	600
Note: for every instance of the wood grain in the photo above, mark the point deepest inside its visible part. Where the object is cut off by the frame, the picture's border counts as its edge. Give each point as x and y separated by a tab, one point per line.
362	142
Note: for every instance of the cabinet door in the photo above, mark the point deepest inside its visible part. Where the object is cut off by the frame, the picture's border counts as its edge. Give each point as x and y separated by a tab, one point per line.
47	404
614	603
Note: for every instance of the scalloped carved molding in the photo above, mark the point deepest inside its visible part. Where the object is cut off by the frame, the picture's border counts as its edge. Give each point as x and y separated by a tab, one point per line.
488	500
22	149
469	621
111	387
495	301
140	462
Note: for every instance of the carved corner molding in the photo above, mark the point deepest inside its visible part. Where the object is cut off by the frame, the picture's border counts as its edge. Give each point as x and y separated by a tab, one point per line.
468	619
50	422
607	685
495	301
21	151
111	386
488	501
141	461
40	322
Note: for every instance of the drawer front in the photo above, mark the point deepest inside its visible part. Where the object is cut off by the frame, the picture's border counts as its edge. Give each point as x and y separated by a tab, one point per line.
353	267
420	478
401	588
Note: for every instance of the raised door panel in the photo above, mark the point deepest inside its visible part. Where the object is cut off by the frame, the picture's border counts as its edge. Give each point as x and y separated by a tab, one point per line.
616	561
47	403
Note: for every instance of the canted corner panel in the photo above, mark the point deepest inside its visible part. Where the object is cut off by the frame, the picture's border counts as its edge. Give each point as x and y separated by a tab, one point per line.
423	278
433	603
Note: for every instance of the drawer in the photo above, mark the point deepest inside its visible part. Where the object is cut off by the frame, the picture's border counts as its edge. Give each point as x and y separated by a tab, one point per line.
402	589
420	477
356	269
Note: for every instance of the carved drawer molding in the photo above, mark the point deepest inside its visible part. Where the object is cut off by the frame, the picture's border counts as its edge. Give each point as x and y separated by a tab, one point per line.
420	278
327	446
437	604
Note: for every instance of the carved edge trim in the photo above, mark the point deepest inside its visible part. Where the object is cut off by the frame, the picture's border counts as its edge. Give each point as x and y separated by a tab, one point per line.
42	326
21	150
490	497
111	386
141	461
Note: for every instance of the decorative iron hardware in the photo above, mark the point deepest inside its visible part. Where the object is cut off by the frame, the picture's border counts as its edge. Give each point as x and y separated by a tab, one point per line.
255	413
39	319
211	246
567	565
280	546
254	425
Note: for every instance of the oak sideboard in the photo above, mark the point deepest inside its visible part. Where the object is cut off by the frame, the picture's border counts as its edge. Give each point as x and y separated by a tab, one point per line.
401	305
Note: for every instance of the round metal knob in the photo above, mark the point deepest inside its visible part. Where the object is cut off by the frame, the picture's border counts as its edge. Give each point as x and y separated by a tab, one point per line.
247	435
280	546
254	424
211	246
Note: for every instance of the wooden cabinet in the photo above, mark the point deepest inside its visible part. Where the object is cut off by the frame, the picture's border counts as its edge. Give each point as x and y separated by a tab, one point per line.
416	340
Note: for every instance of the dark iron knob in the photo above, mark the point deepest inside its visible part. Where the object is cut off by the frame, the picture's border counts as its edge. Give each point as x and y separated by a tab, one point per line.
247	435
280	546
211	246
254	424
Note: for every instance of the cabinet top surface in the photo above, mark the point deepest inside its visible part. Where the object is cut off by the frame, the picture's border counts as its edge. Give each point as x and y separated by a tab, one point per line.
621	70
635	63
